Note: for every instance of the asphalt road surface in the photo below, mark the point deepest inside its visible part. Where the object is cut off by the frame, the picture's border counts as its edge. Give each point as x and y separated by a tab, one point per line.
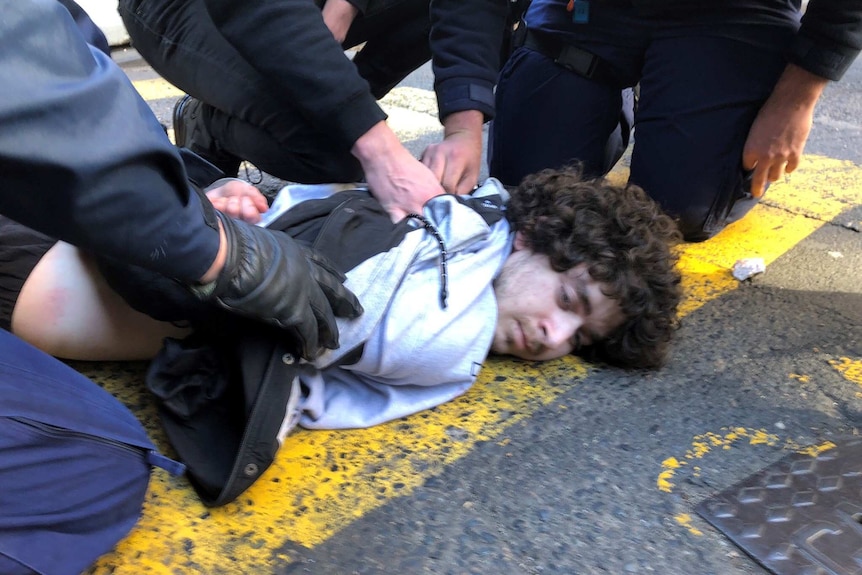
565	468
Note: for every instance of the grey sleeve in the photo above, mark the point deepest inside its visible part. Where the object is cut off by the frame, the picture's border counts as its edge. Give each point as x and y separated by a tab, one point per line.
82	157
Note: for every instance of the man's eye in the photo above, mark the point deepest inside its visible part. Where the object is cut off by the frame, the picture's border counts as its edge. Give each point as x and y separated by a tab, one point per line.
565	299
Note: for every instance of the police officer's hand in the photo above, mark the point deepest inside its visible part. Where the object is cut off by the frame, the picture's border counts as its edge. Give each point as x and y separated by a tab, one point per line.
399	181
777	136
270	277
456	160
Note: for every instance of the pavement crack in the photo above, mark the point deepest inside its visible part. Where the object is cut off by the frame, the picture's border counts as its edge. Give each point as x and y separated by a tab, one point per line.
850	225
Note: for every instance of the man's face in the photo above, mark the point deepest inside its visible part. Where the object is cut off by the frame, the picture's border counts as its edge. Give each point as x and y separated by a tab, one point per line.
544	314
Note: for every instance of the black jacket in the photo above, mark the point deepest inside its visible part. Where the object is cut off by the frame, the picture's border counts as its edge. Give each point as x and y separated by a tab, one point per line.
465	42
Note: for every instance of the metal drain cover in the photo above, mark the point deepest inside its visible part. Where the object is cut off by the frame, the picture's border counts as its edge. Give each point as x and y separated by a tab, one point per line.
799	516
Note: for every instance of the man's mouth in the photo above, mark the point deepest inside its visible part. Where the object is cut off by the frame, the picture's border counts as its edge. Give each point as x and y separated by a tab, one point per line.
521	338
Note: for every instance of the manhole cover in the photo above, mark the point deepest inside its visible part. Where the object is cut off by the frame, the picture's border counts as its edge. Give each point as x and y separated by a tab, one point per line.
799	516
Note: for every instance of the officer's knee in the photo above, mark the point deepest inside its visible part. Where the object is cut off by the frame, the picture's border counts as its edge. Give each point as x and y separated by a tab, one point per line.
698	225
692	225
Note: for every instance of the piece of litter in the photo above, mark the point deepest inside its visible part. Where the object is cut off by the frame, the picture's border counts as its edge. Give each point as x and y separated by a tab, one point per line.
836	255
747	267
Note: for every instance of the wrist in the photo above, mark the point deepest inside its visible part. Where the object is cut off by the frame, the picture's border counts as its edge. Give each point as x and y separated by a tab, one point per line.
798	87
464	121
376	142
221	257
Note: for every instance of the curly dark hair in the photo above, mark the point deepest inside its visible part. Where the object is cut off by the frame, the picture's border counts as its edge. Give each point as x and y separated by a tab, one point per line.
624	239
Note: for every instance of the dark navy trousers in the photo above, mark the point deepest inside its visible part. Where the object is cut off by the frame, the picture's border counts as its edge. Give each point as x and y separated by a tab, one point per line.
74	465
702	77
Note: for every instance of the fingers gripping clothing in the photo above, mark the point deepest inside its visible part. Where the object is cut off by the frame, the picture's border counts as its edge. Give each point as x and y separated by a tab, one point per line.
269	276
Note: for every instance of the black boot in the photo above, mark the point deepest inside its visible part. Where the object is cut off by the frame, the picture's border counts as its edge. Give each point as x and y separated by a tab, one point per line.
191	131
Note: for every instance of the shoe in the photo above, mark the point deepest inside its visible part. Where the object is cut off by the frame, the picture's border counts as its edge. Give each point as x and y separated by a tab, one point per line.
190	131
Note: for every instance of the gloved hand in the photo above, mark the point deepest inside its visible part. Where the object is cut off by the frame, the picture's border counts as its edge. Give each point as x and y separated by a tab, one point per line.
270	277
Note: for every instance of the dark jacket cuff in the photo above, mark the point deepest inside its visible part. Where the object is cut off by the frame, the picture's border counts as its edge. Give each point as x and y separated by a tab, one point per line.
457	95
354	118
361	5
829	63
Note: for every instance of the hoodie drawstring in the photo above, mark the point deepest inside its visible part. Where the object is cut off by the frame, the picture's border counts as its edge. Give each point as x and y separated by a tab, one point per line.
444	255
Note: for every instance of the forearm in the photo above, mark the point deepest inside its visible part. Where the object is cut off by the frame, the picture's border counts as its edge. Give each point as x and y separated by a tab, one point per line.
798	89
83	159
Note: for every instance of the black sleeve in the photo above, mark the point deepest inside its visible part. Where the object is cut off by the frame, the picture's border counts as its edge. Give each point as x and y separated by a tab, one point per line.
82	158
287	41
466	39
830	37
361	5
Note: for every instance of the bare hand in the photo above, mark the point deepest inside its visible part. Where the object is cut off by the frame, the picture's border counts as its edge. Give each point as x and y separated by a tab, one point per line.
779	132
237	199
338	16
456	160
398	180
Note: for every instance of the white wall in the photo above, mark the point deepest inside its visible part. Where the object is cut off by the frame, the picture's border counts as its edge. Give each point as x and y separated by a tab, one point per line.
104	14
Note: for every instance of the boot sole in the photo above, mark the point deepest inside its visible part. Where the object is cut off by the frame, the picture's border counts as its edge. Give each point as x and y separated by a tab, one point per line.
179	125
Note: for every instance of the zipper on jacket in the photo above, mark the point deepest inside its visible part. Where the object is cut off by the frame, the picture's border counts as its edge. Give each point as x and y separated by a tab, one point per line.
151	456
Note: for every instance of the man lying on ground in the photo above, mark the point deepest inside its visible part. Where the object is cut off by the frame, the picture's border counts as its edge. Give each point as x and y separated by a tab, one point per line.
561	266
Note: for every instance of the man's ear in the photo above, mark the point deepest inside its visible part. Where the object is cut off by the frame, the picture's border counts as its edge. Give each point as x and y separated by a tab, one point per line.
520	243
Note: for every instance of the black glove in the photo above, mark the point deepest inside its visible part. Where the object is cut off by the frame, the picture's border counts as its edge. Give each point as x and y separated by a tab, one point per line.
270	277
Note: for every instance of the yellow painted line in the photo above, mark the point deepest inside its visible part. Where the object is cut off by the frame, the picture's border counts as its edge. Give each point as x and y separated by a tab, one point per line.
706	443
849	368
723	440
322	481
684	519
815	450
156	89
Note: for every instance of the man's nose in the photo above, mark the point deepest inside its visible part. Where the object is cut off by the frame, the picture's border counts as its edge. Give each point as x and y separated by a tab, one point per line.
560	328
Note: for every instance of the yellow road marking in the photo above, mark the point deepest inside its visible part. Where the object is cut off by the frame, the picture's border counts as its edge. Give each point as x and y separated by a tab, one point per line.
156	89
704	444
815	450
322	481
850	369
684	519
724	439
